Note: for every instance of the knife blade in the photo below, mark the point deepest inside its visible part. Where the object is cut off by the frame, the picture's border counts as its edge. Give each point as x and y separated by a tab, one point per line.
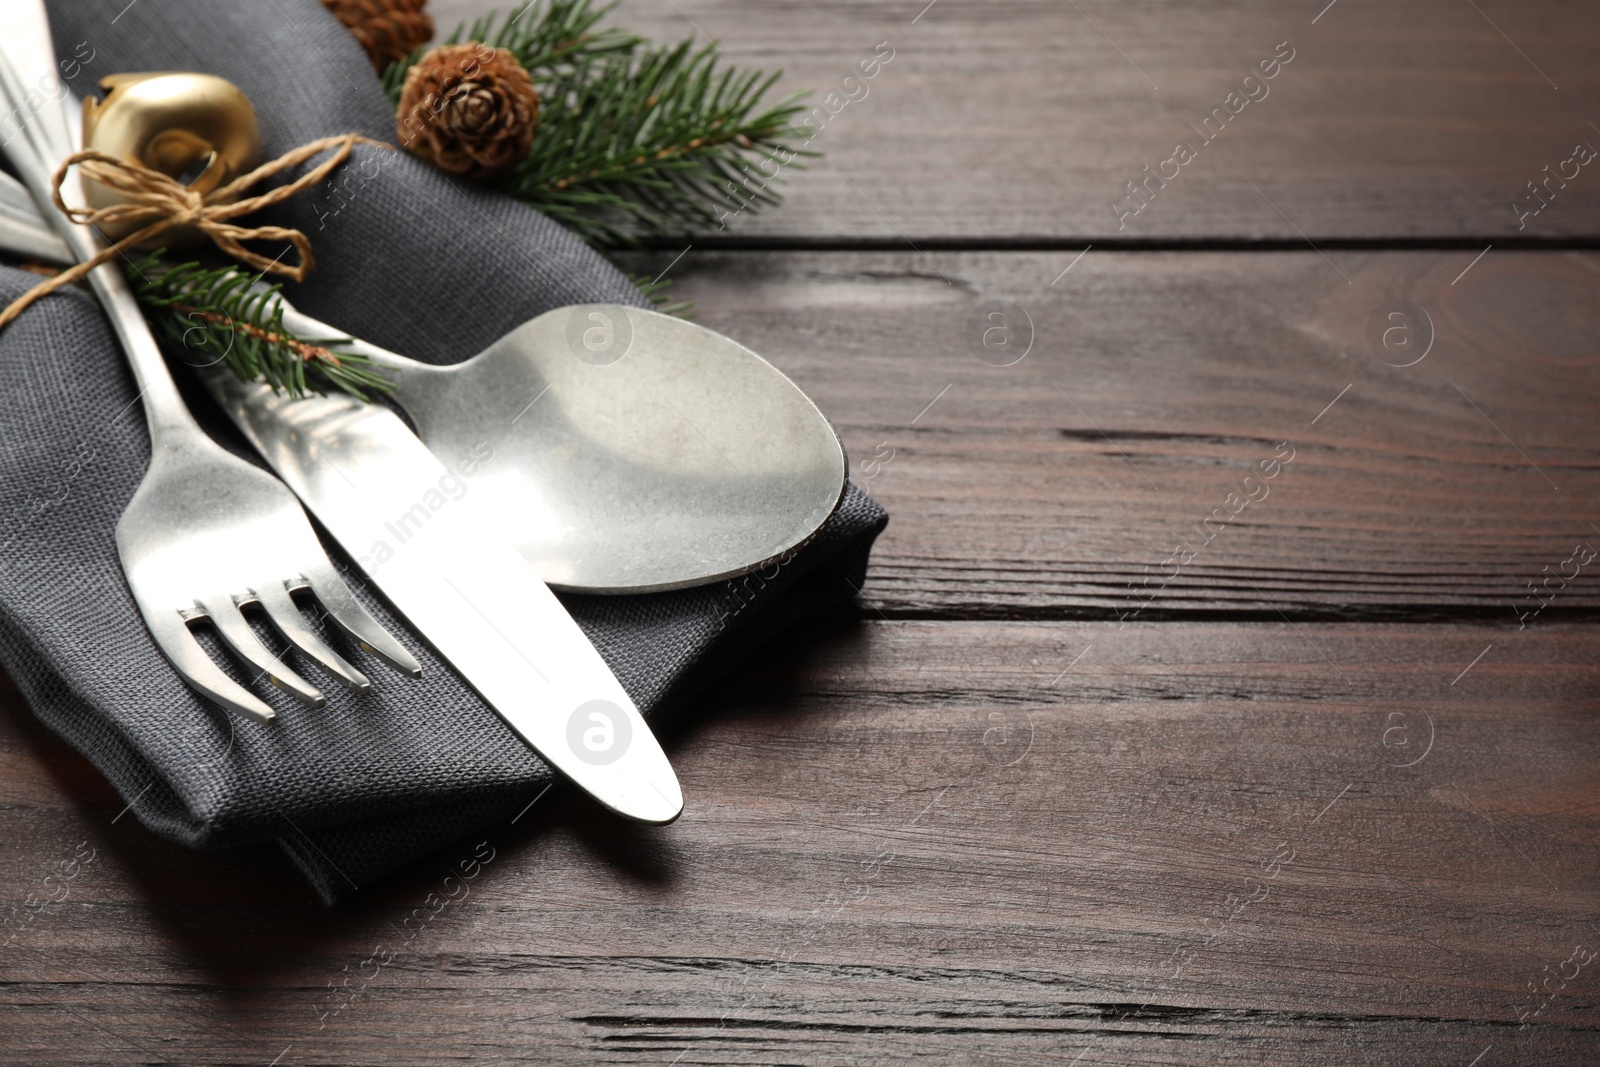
416	530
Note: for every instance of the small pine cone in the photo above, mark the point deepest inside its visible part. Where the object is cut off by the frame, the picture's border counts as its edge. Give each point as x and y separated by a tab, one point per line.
389	30
470	109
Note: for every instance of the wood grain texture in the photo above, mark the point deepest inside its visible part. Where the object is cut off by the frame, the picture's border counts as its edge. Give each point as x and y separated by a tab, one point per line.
1023	121
919	841
1154	385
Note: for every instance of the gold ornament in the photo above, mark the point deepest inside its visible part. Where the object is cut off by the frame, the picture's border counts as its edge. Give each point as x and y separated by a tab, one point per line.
180	124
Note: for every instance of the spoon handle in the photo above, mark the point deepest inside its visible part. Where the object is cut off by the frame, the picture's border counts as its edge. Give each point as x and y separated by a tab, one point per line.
299	323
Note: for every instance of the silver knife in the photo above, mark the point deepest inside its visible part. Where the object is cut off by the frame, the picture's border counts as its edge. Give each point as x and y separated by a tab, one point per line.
417	530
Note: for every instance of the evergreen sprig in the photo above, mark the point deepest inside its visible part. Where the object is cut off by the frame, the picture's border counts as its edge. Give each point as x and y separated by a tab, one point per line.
664	143
217	314
635	139
551	42
655	291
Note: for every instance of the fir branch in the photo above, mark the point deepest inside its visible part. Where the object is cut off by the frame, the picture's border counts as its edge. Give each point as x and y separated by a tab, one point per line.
664	142
636	139
553	42
656	292
217	314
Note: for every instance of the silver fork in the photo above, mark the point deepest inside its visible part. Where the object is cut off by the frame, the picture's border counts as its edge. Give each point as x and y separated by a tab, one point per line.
206	533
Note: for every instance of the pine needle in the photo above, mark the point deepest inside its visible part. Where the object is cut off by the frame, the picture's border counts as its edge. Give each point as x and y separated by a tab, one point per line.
217	314
656	292
635	139
552	41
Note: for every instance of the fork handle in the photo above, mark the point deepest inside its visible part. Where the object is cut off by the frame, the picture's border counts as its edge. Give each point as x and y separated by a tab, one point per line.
25	39
27	54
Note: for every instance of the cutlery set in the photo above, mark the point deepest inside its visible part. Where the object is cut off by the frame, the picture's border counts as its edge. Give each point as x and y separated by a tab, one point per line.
611	449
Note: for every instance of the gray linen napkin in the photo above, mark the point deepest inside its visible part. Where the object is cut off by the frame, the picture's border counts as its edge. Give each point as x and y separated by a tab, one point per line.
410	259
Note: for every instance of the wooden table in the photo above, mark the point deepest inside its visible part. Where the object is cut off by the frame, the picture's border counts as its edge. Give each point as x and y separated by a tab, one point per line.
1225	688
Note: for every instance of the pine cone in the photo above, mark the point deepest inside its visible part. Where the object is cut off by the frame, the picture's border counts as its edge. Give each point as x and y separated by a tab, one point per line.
470	109
389	30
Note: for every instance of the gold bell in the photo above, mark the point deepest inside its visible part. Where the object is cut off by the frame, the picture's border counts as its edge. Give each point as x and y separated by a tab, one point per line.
197	128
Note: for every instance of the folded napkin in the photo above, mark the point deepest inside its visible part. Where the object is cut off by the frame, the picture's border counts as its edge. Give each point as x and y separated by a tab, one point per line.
412	260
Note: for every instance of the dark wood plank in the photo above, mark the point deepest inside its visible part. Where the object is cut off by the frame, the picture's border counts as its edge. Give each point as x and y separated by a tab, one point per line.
919	841
1025	121
1156	383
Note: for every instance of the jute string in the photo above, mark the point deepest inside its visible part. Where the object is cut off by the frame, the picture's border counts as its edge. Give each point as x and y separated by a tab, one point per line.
164	203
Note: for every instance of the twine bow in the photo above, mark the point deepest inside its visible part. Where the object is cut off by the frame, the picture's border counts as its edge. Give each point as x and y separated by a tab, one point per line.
165	203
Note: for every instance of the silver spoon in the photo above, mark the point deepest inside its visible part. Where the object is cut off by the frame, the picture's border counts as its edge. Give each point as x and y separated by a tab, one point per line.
628	451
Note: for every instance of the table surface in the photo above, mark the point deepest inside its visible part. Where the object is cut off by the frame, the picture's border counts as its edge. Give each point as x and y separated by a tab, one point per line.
1224	689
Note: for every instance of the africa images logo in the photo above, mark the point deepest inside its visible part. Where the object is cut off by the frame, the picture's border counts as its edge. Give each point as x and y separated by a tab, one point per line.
599	334
598	732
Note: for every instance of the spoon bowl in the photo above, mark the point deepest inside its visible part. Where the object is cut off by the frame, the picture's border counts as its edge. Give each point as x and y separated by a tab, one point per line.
624	450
